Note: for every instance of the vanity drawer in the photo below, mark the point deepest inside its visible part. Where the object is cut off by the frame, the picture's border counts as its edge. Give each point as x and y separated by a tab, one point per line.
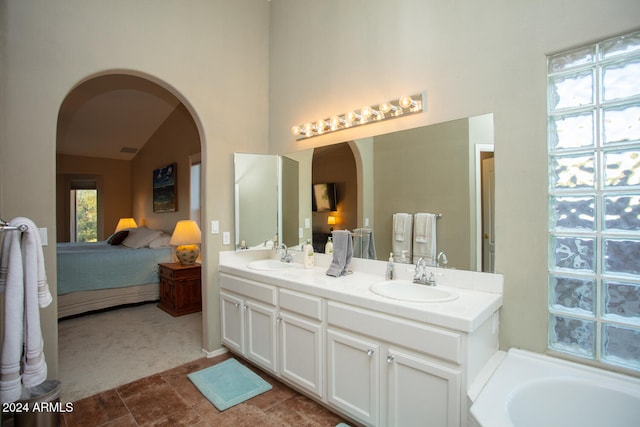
426	339
254	290
303	304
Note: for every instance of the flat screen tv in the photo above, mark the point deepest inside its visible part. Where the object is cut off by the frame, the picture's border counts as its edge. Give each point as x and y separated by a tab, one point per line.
323	197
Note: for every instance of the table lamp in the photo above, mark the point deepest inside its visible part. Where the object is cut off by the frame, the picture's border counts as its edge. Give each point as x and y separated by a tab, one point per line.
125	223
186	237
331	221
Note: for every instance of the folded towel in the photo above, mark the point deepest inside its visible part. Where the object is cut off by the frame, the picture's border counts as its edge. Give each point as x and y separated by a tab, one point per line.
342	253
424	237
401	224
363	243
24	281
402	233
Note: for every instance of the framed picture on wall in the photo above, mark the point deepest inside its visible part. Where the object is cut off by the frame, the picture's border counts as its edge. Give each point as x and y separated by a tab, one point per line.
165	189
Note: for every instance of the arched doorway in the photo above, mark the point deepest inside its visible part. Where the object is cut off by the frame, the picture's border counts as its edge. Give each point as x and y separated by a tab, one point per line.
113	131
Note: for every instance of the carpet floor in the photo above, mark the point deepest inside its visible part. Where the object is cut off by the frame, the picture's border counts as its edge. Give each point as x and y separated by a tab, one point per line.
101	351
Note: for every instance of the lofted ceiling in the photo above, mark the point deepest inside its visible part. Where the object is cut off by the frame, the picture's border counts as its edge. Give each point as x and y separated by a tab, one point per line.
112	116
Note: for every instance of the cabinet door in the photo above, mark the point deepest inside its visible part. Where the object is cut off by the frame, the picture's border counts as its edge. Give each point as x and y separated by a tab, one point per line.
353	376
301	357
420	392
261	335
232	318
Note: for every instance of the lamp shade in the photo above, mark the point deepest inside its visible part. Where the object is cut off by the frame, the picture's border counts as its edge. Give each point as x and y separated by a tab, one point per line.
186	232
125	223
186	237
331	220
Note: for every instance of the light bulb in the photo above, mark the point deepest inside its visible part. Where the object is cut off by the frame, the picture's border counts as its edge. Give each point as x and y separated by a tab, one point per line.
296	130
335	121
366	111
308	129
406	102
321	125
352	116
385	107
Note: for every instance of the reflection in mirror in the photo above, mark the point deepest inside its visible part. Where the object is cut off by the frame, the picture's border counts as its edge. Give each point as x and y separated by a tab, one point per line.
266	201
256	199
436	169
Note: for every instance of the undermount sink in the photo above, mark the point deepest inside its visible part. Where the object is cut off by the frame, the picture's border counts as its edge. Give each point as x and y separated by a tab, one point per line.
405	290
271	265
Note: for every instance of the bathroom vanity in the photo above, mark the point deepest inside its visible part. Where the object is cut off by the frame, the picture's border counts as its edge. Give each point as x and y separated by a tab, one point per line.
380	361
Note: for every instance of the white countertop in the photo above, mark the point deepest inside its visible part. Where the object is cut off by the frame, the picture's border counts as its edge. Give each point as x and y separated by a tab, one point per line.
465	314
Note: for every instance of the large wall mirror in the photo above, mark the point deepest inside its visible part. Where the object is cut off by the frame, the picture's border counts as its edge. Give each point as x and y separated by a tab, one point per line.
266	200
444	168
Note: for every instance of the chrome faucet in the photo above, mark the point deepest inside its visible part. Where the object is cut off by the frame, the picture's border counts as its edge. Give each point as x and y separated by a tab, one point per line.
286	256
442	260
420	277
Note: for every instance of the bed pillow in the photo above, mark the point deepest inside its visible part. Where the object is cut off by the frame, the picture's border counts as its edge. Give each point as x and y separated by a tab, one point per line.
118	237
140	237
162	241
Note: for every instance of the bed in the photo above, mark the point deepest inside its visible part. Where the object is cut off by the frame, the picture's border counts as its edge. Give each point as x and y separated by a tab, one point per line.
117	271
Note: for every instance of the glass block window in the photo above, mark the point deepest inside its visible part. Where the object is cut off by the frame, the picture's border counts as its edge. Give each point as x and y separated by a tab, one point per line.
594	201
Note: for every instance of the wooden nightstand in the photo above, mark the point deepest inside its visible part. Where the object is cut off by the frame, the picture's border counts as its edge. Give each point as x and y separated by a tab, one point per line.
180	291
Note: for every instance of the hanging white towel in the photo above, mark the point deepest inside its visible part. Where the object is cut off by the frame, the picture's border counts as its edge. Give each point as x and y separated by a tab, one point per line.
402	233
24	282
424	237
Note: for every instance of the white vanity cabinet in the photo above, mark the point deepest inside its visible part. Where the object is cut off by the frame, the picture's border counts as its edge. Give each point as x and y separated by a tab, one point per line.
301	340
379	362
394	372
248	320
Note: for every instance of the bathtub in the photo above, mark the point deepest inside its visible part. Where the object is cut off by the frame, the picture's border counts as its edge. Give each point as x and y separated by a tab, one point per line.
529	389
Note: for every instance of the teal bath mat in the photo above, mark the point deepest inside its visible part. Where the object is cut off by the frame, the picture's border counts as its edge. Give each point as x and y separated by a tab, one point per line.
228	383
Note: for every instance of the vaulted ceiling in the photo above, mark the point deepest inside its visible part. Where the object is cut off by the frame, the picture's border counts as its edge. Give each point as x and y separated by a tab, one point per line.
112	116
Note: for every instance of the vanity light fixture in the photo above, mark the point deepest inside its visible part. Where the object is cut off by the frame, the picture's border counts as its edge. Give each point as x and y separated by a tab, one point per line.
402	106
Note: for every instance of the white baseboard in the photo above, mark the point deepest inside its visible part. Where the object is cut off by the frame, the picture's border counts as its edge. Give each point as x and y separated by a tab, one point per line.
215	353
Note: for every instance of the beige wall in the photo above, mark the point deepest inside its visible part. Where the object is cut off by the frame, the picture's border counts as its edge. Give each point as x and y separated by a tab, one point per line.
114	180
174	141
211	54
471	58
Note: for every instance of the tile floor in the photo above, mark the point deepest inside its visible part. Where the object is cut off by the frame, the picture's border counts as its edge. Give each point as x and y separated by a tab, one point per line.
170	399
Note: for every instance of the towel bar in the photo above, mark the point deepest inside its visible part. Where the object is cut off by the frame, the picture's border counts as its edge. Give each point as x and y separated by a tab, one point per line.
6	226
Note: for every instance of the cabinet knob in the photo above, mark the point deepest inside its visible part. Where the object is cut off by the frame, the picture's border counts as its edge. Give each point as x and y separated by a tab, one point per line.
370	352
390	359
237	304
279	319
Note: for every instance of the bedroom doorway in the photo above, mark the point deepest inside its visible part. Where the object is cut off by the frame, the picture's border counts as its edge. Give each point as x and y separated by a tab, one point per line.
117	129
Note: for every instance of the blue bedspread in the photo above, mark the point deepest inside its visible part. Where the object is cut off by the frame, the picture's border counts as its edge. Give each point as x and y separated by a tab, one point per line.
92	266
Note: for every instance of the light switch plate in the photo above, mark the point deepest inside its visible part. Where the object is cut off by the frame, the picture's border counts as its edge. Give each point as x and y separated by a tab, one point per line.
44	238
215	227
226	238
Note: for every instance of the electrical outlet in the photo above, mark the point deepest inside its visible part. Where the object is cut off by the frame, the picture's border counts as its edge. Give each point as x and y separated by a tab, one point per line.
226	238
215	227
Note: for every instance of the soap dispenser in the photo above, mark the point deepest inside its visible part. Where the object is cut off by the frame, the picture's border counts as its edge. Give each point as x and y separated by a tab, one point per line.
390	273
308	255
328	248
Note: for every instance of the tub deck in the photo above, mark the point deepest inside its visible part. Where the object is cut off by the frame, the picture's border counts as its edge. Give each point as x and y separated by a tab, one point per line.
531	389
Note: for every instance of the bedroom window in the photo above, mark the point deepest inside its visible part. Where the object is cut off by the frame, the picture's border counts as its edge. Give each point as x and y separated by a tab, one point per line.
594	201
84	211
